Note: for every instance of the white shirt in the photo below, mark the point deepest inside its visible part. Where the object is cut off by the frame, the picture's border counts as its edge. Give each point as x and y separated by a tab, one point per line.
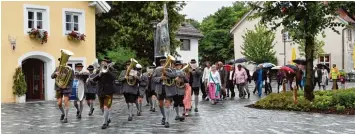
231	75
206	73
215	76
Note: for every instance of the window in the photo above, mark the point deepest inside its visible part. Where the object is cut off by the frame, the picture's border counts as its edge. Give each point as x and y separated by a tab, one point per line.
36	17
349	35
73	20
325	59
185	46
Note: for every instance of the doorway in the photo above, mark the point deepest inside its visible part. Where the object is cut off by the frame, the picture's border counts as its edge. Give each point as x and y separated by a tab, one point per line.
33	70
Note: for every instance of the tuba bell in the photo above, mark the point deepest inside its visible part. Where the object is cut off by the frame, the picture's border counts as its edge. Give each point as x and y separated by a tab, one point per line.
168	82
185	70
64	71
131	80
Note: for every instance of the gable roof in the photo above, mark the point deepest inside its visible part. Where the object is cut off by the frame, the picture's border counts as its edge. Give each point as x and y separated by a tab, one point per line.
343	16
187	30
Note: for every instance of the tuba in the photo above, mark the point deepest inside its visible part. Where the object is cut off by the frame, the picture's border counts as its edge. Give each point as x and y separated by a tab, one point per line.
64	71
130	80
168	82
185	70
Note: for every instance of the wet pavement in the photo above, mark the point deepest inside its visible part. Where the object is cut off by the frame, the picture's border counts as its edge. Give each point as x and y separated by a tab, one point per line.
230	116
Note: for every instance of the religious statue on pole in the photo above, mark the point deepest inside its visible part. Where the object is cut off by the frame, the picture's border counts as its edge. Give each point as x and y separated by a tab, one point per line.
162	37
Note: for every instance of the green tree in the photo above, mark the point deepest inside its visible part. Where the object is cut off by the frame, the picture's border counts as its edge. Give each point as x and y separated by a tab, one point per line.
119	55
258	45
217	43
305	19
194	23
318	49
129	25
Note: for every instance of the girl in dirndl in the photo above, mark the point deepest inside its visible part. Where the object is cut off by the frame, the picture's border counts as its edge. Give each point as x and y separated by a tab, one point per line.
187	97
214	85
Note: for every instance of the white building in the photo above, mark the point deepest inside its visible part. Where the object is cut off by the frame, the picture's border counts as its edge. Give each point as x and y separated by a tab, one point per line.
189	37
338	47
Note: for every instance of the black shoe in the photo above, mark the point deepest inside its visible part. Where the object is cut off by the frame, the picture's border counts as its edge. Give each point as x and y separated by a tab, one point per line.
147	104
77	113
248	95
91	111
208	99
104	126
79	116
166	124
130	118
138	113
65	120
177	118
62	117
153	110
254	92
163	121
227	95
108	122
182	118
196	110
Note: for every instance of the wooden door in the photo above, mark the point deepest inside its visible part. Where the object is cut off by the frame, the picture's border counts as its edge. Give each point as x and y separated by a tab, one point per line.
33	70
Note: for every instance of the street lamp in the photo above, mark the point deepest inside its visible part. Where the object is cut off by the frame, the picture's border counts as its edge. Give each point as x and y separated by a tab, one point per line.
284	39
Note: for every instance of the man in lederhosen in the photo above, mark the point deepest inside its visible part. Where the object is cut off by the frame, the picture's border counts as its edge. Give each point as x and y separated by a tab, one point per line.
195	81
150	92
130	90
181	80
142	85
91	90
106	89
63	93
164	91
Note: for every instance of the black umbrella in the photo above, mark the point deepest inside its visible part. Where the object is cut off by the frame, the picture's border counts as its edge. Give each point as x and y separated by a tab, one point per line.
322	65
241	60
292	67
300	61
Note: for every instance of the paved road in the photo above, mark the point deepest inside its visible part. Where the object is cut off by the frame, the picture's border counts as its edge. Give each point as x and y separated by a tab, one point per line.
231	116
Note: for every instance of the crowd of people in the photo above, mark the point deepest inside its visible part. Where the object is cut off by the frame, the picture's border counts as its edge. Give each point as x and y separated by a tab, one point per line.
171	86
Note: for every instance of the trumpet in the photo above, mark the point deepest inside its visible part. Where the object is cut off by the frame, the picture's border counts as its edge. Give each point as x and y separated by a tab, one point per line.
106	68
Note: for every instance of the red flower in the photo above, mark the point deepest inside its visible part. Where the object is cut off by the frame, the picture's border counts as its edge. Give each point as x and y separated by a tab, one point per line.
76	35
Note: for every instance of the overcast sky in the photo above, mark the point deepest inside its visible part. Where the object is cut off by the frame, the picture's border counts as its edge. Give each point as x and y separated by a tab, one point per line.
199	9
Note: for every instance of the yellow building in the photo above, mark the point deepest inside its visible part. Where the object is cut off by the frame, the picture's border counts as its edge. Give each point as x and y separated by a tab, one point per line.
57	18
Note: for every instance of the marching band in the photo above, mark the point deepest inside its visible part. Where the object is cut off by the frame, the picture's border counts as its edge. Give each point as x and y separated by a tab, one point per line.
169	83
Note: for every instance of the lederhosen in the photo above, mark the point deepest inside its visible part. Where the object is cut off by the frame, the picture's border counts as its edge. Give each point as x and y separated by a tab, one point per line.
163	91
91	88
105	88
179	97
130	92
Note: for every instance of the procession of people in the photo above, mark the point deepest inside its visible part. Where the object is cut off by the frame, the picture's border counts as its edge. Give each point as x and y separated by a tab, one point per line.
171	85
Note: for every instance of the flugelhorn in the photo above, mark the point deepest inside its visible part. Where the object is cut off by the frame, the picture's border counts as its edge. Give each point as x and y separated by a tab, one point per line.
106	68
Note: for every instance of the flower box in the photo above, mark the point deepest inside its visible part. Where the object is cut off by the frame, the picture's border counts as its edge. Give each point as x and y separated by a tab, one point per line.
76	36
40	34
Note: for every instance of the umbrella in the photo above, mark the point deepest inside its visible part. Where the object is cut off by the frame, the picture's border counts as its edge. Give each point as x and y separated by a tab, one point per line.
241	60
288	69
293	55
322	65
267	65
276	67
300	61
292	67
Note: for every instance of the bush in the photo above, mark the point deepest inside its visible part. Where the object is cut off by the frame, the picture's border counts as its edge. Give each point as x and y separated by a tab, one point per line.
324	100
19	86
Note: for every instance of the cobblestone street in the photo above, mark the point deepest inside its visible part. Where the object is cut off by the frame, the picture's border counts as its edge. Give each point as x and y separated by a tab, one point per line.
230	116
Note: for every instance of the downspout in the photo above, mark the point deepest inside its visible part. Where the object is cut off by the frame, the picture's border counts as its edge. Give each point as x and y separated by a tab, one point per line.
343	49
